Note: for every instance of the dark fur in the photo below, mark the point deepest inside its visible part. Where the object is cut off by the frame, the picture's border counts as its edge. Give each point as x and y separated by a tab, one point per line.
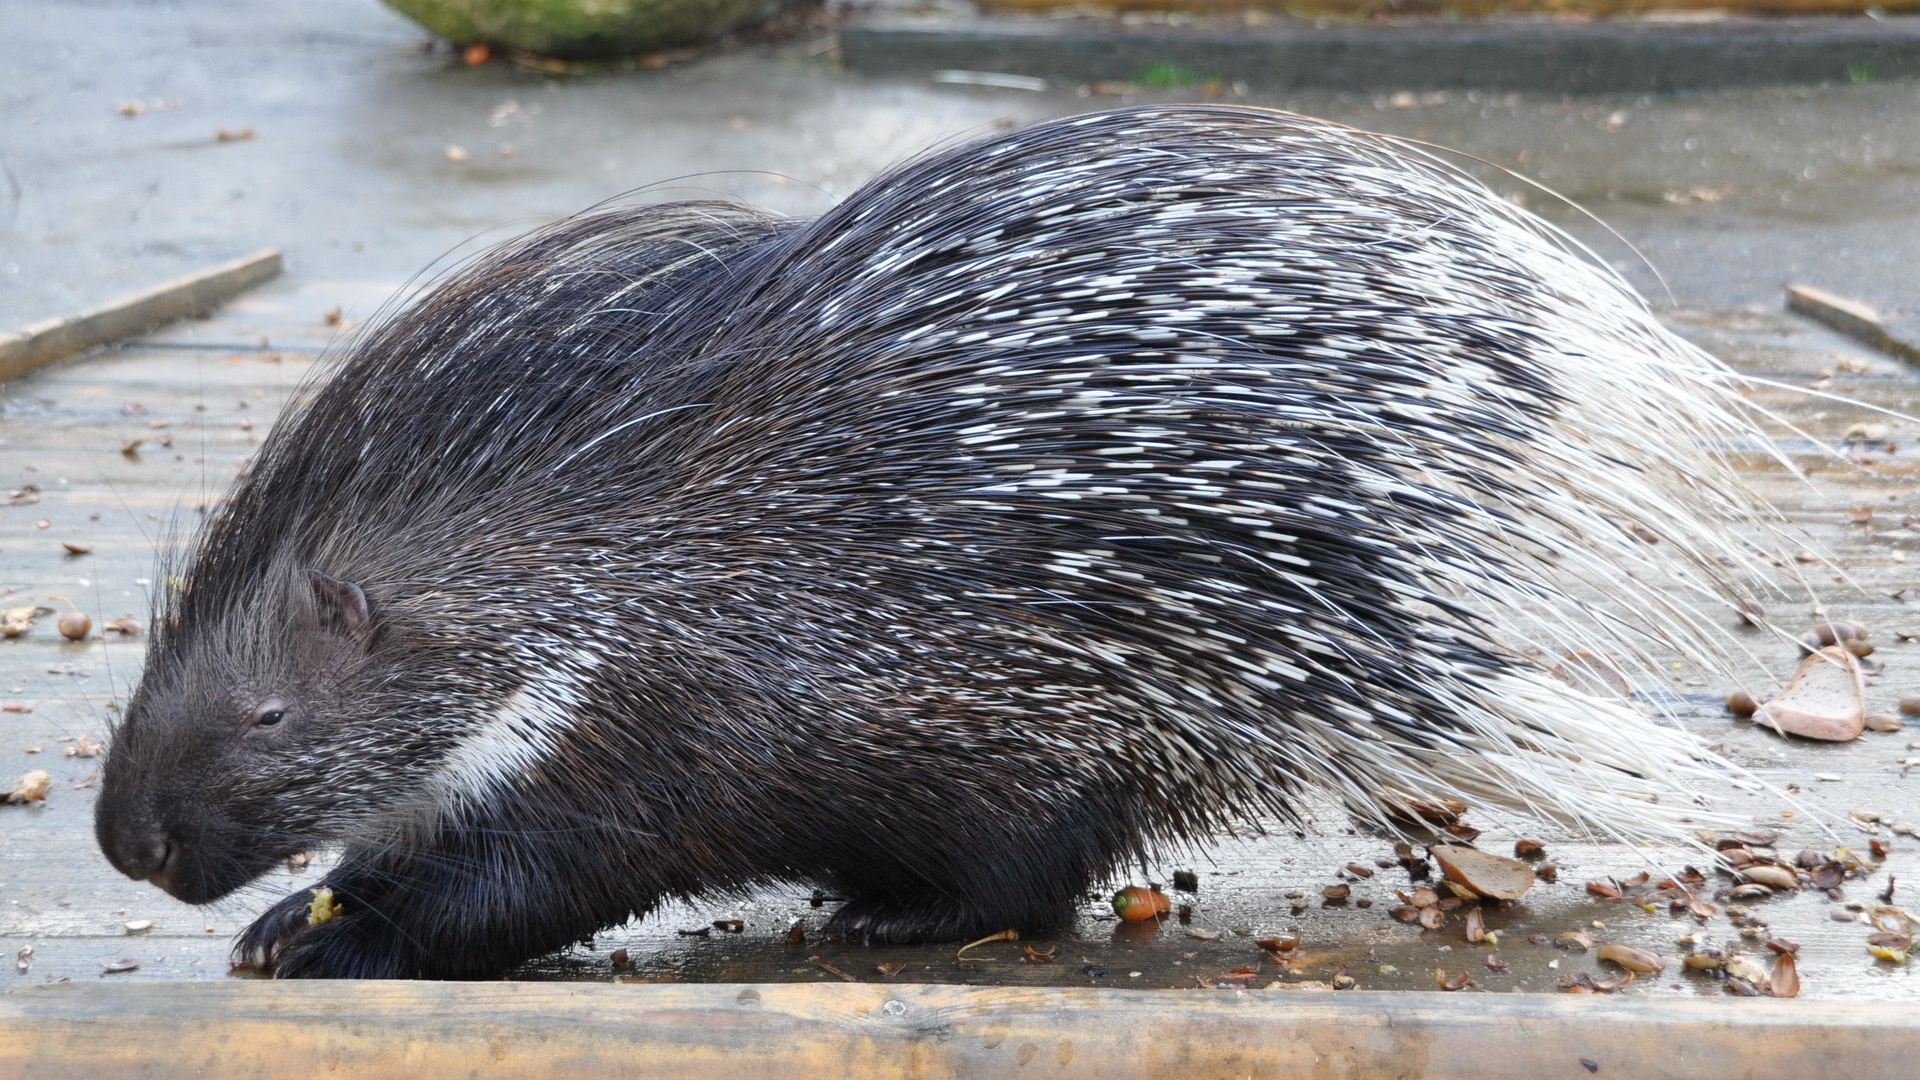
732	508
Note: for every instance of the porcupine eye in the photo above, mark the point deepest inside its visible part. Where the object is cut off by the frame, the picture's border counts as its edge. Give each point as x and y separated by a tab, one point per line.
269	716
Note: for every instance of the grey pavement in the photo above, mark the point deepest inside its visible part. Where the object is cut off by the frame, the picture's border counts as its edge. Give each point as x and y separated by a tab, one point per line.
355	131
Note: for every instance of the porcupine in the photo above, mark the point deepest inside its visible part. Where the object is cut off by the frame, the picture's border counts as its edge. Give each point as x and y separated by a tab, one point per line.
1055	498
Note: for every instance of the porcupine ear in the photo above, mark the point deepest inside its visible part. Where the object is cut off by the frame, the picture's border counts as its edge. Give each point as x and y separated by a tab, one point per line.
342	606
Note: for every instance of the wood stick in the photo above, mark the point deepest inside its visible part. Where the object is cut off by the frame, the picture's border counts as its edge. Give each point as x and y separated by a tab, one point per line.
63	336
1852	318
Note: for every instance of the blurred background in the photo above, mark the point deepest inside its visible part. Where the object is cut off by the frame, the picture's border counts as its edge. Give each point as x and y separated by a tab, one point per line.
1736	150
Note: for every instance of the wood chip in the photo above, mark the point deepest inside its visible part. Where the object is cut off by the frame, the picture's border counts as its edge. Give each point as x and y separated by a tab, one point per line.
1484	873
1825	699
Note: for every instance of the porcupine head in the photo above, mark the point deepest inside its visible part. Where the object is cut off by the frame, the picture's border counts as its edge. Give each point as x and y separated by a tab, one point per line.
300	714
286	720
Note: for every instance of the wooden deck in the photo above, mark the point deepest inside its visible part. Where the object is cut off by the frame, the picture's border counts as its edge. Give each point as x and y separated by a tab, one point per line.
427	1031
121	449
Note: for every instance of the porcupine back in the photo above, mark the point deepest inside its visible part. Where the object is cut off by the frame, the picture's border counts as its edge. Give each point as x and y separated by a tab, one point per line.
1211	455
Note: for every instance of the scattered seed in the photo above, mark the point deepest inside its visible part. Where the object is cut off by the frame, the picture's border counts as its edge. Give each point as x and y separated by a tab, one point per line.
1704	961
1746	968
33	787
1476	925
16	621
1774	876
1634	960
1455	982
75	625
1785	980
114	967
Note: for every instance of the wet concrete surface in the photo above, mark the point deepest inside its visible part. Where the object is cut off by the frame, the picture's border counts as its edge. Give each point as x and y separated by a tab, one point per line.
348	169
353	130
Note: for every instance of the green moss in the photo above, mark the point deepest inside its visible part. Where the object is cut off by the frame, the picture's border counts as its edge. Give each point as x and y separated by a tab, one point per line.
580	29
1161	74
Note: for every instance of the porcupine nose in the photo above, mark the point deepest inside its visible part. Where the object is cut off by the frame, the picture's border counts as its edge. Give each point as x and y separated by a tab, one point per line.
151	857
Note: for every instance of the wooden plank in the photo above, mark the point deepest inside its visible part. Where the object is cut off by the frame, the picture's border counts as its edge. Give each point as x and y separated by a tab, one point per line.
63	336
529	1031
1852	318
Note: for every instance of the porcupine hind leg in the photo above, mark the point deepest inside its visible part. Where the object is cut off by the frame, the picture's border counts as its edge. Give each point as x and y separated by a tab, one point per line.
952	913
969	886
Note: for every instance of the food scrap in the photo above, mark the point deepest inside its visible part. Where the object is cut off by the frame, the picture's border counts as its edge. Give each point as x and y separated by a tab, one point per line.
323	906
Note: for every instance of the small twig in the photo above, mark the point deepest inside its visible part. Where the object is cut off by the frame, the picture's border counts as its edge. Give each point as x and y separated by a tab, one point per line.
830	969
1004	935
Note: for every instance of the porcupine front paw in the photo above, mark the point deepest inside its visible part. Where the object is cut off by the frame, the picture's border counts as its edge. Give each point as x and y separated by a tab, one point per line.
286	943
260	944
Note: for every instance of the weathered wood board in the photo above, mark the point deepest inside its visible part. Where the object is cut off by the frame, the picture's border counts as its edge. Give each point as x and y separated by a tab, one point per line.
526	1031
